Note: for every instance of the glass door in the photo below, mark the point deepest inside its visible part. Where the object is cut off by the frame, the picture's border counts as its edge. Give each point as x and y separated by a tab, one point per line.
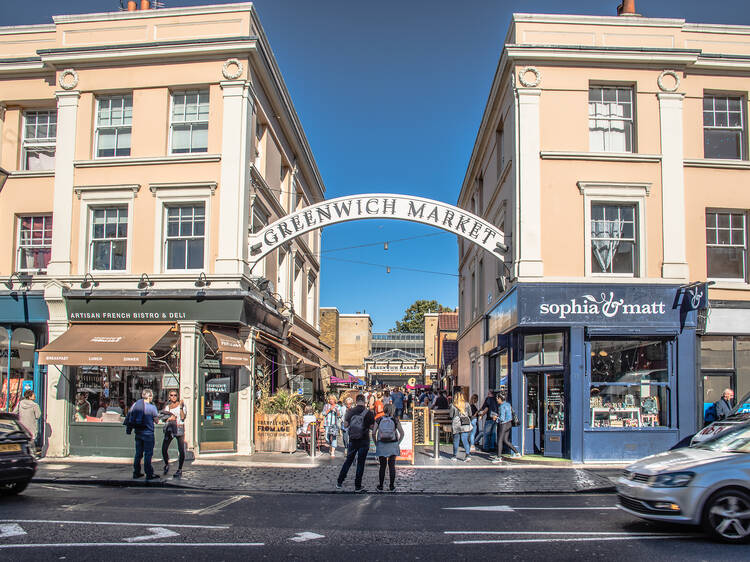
218	410
532	419
714	385
554	413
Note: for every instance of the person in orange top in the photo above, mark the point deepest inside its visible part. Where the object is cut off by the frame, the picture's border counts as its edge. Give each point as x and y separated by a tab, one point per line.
379	407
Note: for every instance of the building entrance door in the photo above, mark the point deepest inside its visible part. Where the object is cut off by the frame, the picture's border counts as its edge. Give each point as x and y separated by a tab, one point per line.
533	442
544	414
218	410
714	385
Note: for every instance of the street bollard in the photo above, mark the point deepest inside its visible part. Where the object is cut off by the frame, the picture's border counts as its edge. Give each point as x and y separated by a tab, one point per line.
313	438
436	440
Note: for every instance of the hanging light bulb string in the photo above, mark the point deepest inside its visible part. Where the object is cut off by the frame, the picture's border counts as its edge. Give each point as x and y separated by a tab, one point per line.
388	268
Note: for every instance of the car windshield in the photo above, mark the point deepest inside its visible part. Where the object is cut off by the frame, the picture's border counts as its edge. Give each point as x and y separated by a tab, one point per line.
743	406
735	440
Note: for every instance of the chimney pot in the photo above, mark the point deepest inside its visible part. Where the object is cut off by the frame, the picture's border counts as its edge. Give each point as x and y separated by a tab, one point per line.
132	6
145	4
626	8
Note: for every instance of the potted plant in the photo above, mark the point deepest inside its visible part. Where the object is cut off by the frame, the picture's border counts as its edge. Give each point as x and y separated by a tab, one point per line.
276	422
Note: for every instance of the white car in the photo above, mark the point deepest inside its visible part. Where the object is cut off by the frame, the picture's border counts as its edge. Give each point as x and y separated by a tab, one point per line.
740	414
707	484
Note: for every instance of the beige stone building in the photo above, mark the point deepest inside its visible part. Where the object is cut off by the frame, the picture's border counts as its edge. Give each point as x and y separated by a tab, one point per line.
613	154
144	148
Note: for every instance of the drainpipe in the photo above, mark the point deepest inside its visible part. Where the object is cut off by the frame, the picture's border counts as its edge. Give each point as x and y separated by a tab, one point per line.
7	379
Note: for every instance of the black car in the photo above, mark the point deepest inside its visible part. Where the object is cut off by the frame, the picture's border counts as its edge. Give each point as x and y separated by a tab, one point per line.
17	464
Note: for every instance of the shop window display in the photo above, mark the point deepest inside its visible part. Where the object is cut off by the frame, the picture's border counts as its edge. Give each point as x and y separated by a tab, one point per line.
629	384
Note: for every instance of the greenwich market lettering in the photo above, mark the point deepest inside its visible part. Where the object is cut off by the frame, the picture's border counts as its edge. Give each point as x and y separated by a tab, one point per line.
606	305
383	206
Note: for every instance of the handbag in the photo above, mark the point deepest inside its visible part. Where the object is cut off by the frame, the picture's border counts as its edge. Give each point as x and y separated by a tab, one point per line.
514	421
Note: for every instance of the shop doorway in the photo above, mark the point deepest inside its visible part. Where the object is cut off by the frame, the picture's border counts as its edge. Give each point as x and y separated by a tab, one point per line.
217	432
714	385
544	414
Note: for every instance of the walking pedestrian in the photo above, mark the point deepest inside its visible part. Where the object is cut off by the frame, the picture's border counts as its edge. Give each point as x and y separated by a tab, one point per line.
474	420
29	412
460	413
359	421
331	424
398	402
343	409
725	404
388	435
490	410
378	406
505	422
140	419
176	412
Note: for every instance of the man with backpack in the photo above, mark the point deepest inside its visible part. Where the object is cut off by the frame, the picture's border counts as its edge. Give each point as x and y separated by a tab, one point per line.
141	419
358	421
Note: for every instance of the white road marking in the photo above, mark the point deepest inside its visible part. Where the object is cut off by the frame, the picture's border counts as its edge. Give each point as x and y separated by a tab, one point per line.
210	510
586	533
115	523
306	536
576	539
11	530
515	508
156	533
55	488
128	545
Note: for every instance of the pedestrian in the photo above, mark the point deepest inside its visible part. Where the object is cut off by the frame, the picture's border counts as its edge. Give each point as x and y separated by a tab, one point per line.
505	423
441	402
378	406
490	411
398	402
29	412
359	421
176	412
725	404
387	397
343	409
331	424
460	414
140	419
474	419
388	435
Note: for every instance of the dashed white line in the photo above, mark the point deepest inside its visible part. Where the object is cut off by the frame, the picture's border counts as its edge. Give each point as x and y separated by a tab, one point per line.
115	523
128	545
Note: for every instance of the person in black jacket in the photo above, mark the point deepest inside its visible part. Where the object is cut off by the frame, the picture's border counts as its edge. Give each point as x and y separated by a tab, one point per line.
724	406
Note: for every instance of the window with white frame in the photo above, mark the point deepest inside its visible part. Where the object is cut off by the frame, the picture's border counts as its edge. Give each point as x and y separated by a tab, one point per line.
614	241
109	239
310	310
258	221
726	244
282	277
39	136
611	119
189	127
185	236
723	127
114	125
34	247
299	281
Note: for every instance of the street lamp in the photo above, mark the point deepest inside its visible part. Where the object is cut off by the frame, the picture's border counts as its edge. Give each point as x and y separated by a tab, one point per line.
3	176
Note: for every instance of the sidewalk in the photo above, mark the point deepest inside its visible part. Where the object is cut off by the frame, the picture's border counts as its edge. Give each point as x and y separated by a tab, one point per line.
299	473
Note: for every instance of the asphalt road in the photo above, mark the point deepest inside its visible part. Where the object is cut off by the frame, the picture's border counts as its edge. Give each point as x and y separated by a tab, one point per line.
66	522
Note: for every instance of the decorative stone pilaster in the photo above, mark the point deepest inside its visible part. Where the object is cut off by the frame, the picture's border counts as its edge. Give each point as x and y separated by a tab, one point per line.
246	398
57	386
189	372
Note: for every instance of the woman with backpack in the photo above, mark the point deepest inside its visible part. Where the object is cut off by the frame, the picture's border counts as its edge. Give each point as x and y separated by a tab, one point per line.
388	435
460	413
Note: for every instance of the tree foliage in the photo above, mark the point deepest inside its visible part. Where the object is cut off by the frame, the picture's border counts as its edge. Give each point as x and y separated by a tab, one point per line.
413	320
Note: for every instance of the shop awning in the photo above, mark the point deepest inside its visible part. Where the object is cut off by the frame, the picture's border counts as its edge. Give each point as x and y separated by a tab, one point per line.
304	338
289	350
113	345
232	349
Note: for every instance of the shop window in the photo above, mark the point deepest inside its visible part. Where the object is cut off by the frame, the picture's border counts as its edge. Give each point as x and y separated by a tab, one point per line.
34	243
22	347
189	127
185	240
717	352
109	239
726	245
543	349
723	127
614	244
114	123
611	119
39	136
629	384
742	345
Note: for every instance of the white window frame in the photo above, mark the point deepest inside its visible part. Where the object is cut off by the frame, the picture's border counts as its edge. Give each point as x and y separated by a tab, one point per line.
168	195
282	273
97	197
117	128
312	280
91	210
616	193
257	209
744	246
741	128
630	120
172	121
33	246
38	143
299	285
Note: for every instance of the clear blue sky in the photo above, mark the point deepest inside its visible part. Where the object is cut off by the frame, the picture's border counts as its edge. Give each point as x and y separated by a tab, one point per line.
390	94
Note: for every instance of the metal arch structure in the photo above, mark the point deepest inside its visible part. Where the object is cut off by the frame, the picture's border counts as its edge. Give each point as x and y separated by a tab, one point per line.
376	206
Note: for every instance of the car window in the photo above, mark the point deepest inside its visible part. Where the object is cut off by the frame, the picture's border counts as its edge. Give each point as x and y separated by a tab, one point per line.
735	440
8	426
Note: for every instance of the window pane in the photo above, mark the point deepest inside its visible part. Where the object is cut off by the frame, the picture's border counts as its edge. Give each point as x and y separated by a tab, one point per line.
726	263
716	352
628	361
743	366
40	159
195	254
200	138
630	406
176	254
553	349
181	138
722	144
101	256
119	255
532	350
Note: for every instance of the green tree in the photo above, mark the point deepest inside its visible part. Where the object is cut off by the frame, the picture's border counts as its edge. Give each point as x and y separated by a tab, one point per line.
413	320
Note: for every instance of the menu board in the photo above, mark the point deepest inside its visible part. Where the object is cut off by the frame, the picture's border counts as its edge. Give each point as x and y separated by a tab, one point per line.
407	443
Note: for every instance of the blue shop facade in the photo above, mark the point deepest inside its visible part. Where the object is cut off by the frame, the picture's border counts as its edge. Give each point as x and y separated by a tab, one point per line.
596	372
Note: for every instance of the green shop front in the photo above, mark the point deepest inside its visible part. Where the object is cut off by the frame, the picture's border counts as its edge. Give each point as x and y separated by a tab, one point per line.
116	348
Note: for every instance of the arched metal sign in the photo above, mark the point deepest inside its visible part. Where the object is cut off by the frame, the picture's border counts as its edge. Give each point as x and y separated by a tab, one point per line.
377	206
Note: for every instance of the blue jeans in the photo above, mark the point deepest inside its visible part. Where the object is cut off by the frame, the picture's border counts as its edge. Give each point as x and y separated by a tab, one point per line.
464	438
356	449
331	436
345	437
473	434
144	448
490	436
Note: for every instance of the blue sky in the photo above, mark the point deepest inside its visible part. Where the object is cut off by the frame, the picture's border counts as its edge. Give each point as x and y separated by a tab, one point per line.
390	95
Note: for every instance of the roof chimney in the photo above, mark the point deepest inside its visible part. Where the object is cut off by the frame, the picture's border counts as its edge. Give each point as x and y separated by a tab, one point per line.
133	5
627	8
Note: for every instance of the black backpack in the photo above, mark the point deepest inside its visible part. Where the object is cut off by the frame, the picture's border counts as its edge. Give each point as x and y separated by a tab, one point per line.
357	425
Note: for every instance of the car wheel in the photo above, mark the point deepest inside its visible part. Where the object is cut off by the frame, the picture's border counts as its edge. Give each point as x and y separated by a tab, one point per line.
727	516
13	488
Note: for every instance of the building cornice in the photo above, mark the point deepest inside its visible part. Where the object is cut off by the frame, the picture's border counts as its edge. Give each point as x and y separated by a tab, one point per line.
711	163
147	161
155	13
599	156
616	55
618	21
19	29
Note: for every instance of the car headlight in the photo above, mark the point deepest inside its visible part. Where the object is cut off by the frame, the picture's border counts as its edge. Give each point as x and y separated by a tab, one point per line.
671	480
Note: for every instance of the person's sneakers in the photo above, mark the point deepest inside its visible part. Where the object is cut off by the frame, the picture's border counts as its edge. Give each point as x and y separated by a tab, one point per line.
497	460
339	485
467	459
379	487
177	474
360	490
333	454
137	475
392	489
454	459
515	455
166	468
153	477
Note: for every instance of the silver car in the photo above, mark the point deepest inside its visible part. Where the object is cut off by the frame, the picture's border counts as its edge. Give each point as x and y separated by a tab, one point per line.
707	484
740	414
